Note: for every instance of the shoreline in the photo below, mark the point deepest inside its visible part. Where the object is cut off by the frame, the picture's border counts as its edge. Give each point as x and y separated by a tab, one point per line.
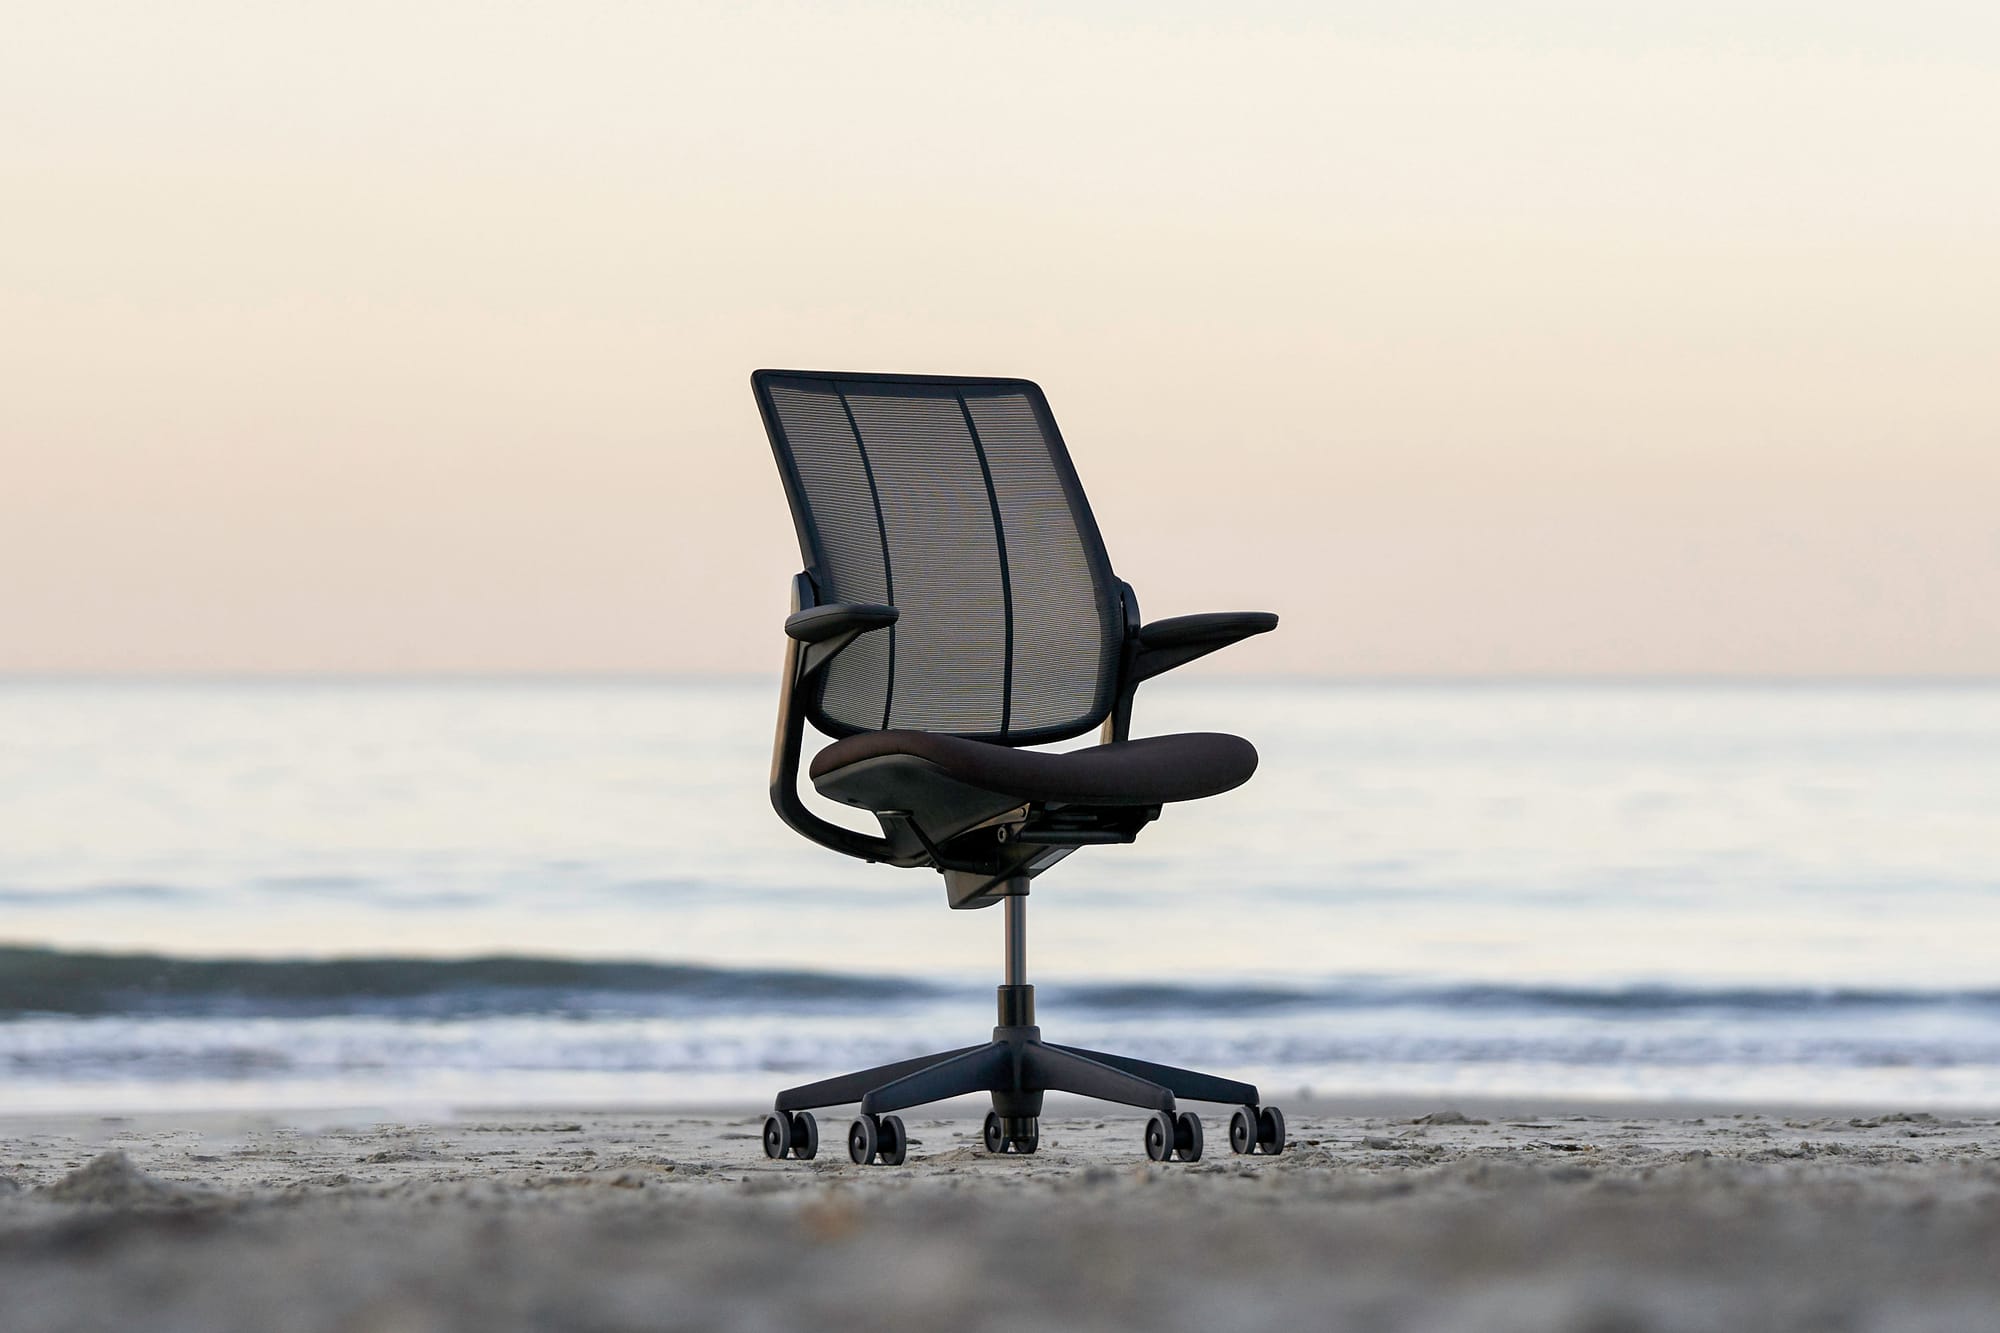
1365	1105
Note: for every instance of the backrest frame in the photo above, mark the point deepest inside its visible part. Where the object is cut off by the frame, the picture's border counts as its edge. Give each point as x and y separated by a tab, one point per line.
1106	587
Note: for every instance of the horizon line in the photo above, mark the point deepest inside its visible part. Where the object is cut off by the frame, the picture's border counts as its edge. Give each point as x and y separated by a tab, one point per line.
287	676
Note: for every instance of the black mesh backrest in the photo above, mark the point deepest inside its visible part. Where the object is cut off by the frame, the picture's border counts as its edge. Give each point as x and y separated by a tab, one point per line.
954	501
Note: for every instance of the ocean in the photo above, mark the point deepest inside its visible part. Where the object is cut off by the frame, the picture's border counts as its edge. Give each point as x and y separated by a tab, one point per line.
421	895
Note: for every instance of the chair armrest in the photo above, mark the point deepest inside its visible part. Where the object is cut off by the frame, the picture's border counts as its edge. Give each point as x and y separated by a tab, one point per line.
1156	648
1217	628
816	634
826	631
816	624
1165	644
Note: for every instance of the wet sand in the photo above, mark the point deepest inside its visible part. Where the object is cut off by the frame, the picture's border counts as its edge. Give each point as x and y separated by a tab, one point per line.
1498	1217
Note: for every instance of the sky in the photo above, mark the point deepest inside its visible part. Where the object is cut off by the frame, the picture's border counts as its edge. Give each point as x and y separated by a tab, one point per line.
1539	339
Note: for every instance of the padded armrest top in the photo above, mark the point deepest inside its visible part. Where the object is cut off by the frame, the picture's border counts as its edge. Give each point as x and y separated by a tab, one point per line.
816	624
1216	627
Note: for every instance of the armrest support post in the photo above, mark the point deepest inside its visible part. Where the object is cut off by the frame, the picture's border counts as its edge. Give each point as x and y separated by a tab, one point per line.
825	635
1118	726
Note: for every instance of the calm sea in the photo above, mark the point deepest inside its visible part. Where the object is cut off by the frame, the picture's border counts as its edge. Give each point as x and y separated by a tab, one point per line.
1731	891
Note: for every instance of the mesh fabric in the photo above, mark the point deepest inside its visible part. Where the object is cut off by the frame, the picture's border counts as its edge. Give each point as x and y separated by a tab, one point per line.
953	501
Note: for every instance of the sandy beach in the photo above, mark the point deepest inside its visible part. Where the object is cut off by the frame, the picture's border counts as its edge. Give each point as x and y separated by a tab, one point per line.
1381	1216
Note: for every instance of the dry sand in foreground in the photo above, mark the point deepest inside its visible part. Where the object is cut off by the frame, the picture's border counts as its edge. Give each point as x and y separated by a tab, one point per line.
639	1221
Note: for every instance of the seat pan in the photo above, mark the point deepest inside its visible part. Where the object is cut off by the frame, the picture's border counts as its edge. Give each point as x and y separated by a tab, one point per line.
1149	771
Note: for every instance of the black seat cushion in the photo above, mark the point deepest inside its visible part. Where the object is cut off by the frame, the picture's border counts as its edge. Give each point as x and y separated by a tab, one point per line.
1149	771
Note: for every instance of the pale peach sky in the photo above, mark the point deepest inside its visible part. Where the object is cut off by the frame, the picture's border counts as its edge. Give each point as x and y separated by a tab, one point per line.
416	336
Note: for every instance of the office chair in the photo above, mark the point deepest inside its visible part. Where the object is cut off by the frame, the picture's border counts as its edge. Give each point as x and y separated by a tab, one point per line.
957	607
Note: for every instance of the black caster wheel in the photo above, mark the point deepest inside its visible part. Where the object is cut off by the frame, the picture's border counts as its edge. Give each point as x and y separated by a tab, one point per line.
1243	1130
1160	1136
1270	1131
777	1134
994	1132
805	1136
1187	1136
892	1141
1027	1136
863	1140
